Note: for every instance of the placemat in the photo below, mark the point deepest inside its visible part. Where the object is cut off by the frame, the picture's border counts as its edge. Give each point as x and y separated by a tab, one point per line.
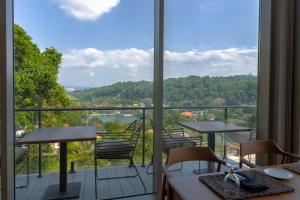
215	182
294	167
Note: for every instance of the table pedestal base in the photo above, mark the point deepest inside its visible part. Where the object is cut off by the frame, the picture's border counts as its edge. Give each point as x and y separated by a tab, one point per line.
73	191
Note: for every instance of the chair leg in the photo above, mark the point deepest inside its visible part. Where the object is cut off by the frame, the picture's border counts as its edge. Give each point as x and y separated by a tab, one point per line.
181	166
164	188
130	164
240	164
27	174
149	165
28	170
201	139
138	174
117	177
225	153
96	177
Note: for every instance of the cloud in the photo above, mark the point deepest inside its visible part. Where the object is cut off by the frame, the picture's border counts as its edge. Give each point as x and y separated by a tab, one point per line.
137	64
223	62
132	59
92	74
206	6
86	10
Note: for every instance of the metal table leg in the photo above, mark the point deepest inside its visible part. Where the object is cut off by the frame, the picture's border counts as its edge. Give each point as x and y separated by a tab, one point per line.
63	167
211	144
210	165
63	190
199	170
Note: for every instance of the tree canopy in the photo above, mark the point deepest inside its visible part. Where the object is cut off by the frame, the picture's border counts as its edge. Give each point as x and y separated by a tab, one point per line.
186	91
36	74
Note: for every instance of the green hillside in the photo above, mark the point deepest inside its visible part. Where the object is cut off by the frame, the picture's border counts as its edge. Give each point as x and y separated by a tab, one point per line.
187	91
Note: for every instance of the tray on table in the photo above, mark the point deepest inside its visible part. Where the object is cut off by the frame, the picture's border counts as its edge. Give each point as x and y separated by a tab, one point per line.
215	182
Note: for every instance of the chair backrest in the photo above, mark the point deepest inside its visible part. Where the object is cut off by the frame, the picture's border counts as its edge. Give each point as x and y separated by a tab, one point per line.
238	137
169	131
135	132
259	147
175	138
184	154
131	126
174	131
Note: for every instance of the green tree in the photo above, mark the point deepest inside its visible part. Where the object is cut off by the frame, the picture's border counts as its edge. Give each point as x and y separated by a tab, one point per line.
186	91
36	75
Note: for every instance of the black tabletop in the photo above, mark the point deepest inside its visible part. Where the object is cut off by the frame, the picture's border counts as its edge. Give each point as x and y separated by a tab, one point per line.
61	134
213	127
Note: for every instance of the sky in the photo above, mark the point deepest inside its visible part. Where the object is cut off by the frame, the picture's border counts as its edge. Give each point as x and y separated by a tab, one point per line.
107	41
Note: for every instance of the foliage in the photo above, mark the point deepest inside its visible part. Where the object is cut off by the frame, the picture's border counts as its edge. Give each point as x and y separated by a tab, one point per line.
113	127
36	86
188	91
36	75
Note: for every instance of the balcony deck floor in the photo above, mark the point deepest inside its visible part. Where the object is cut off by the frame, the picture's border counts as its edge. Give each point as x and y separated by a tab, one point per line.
106	188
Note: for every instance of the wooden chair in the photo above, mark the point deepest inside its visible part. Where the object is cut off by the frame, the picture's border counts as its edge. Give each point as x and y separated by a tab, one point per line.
184	154
232	142
262	147
173	138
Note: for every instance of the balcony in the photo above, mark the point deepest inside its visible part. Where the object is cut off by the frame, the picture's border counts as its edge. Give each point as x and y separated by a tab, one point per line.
108	189
44	160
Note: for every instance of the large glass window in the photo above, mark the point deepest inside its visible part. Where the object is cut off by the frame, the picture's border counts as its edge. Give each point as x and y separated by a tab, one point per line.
210	67
95	58
90	63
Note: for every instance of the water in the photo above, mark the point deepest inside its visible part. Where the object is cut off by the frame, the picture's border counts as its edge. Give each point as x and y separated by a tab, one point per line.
122	119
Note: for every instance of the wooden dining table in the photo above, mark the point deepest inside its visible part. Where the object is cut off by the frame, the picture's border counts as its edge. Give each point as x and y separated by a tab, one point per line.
191	188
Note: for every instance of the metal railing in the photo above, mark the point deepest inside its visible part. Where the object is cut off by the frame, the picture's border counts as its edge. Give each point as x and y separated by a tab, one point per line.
143	110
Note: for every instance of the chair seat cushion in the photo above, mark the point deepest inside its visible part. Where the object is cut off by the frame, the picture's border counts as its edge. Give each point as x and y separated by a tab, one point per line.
233	145
113	149
239	137
176	141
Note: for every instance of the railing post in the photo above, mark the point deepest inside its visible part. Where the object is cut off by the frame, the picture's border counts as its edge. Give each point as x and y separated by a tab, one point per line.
72	170
226	114
40	148
223	138
143	143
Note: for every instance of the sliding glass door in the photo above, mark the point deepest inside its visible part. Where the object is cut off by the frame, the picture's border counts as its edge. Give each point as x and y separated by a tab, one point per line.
210	67
6	100
85	63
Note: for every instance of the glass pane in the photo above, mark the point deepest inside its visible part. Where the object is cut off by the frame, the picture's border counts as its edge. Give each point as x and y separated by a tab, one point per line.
210	70
96	58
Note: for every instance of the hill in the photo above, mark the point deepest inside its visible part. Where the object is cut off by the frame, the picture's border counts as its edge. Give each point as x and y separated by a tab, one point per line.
186	91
